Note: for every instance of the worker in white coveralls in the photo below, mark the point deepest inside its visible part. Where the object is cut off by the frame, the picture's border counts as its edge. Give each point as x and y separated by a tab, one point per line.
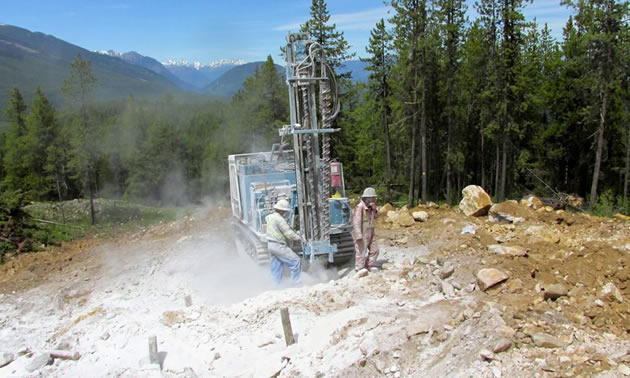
279	234
365	248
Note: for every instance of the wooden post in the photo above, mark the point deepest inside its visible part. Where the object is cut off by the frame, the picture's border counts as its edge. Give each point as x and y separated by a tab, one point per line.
153	351
188	301
286	325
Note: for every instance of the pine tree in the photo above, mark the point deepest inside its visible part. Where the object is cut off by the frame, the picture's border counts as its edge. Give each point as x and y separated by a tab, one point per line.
411	42
13	163
78	87
380	65
603	26
333	42
451	17
41	134
264	102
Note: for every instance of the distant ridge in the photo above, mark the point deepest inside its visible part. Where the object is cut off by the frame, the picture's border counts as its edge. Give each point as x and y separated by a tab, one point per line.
31	59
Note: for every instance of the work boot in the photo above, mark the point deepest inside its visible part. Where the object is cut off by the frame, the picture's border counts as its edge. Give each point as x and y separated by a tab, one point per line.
361	273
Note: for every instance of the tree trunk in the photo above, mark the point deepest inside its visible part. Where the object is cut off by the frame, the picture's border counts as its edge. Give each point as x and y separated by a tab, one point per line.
63	213
448	160
497	167
501	195
423	142
91	190
412	163
388	151
600	147
483	168
412	168
627	167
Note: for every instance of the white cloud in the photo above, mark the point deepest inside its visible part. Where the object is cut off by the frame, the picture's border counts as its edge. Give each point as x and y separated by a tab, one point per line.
362	20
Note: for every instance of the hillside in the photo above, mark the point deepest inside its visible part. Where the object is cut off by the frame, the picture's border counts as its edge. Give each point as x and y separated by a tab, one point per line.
231	81
200	75
31	59
155	66
561	310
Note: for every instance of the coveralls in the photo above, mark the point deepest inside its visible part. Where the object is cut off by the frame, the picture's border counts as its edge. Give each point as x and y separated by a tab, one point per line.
365	248
278	235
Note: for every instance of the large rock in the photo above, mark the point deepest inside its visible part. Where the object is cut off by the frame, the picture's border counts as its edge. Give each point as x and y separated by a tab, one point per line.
502	345
513	250
507	211
575	201
547	341
421	216
554	292
610	292
488	277
405	219
5	358
476	201
533	202
387	207
39	362
392	216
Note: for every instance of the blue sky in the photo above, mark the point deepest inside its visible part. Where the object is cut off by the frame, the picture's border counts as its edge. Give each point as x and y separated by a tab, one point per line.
205	31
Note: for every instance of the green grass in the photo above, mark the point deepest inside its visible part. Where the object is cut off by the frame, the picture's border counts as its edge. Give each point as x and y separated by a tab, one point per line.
58	222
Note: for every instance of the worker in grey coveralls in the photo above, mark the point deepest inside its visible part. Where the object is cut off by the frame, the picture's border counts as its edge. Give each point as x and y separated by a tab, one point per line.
365	247
279	234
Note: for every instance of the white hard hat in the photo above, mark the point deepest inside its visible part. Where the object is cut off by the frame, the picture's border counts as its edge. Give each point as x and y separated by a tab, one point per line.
369	192
282	205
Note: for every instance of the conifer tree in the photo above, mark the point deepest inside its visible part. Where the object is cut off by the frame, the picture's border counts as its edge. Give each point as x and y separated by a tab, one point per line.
380	63
13	163
78	87
333	41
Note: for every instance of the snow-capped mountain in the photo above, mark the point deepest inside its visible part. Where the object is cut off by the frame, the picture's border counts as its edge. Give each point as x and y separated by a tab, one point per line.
199	65
186	75
199	74
109	53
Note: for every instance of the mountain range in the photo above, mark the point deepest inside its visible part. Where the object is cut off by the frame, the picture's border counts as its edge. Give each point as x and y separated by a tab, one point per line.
31	59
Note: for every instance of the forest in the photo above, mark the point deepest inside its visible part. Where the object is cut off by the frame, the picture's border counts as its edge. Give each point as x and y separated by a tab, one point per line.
495	101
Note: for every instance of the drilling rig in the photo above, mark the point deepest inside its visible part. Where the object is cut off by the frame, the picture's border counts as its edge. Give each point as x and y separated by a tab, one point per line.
299	168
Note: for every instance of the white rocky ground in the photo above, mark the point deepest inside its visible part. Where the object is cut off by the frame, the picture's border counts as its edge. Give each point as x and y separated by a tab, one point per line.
402	321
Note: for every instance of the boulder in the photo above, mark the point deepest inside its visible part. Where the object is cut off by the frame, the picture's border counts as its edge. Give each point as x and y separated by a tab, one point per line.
554	292
502	345
39	362
5	358
421	216
532	201
488	277
386	208
575	201
392	216
513	250
486	355
433	205
476	201
447	271
547	341
405	219
611	293
507	211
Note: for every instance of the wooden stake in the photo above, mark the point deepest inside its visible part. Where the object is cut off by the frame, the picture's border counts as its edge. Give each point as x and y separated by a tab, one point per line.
153	351
286	325
65	355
